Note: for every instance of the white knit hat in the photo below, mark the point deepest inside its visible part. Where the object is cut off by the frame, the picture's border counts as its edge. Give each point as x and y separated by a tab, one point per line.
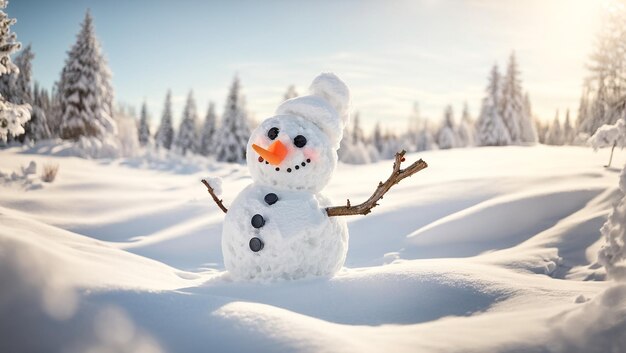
327	106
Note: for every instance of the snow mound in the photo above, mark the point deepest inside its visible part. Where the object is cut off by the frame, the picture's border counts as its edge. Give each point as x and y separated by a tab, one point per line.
492	250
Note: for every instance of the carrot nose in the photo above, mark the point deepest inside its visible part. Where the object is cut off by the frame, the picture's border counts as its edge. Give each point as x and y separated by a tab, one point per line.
274	154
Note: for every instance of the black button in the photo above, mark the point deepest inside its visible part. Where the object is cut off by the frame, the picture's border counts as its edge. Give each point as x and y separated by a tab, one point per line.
256	244
271	198
257	221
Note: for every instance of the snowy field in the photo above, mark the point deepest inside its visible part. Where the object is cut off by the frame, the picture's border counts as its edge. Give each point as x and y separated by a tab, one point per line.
488	249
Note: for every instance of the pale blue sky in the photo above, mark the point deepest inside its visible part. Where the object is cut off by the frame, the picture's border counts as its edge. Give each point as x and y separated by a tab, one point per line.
391	53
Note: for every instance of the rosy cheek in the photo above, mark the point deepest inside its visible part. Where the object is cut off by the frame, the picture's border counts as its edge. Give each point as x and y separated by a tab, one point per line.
310	153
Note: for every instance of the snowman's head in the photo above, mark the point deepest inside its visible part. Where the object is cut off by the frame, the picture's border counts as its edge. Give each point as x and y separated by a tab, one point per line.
297	148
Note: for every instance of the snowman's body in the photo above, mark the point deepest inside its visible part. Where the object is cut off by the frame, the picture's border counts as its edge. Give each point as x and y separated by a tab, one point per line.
299	238
277	227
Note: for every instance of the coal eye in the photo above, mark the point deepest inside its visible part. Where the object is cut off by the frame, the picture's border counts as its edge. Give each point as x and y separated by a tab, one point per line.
272	133
299	141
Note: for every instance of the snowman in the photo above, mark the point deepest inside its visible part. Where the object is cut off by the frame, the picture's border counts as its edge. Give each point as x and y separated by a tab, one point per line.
281	226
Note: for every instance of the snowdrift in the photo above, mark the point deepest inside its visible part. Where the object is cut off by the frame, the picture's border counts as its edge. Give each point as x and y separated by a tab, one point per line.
489	249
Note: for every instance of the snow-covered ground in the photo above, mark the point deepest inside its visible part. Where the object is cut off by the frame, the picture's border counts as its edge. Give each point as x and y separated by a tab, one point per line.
488	249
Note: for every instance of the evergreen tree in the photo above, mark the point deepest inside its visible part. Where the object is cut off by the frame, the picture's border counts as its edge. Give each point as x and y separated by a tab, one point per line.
85	88
127	137
528	129
568	130
234	131
208	131
583	110
187	133
609	136
612	254
554	136
490	128
604	91
165	132
12	116
377	138
512	101
37	128
542	131
22	92
8	41
17	88
391	146
291	93
353	148
54	114
345	145
425	139
144	126
465	131
446	138
20	89
358	136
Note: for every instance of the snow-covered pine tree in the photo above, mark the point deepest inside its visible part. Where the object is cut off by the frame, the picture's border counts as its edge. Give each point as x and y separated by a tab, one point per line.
41	97
609	136
490	128
606	86
37	128
20	89
345	145
542	130
446	138
377	138
165	133
512	101
358	136
291	92
85	88
54	113
144	126
353	148
528	129
187	140
127	136
8	41
425	138
568	130
465	130
5	85
12	116
209	127
232	136
554	136
583	110
612	255
392	144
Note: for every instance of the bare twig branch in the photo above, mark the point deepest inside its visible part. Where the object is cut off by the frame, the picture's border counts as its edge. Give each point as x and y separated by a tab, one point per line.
395	177
215	198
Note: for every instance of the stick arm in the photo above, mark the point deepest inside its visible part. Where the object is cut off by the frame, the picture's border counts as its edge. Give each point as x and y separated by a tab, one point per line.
217	200
396	176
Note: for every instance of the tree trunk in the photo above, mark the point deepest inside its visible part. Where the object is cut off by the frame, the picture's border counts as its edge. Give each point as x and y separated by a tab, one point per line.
611	158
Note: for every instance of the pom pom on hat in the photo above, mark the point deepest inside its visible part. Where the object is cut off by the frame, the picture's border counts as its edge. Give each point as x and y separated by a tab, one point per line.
327	106
335	91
